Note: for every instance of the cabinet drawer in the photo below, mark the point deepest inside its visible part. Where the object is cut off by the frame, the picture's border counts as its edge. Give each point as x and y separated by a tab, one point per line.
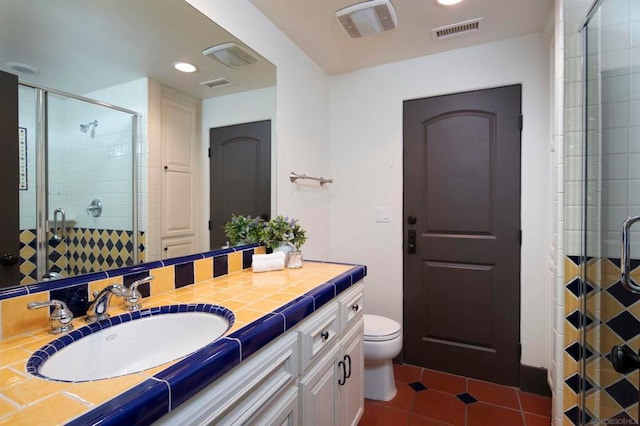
351	305
318	333
239	395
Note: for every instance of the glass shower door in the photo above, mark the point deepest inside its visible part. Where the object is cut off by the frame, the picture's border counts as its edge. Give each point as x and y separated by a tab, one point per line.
89	187
610	311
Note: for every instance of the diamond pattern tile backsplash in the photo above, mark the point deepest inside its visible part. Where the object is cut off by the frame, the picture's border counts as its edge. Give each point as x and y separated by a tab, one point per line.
612	318
84	250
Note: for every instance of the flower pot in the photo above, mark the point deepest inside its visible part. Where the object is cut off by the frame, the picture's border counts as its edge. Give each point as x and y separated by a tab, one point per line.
293	259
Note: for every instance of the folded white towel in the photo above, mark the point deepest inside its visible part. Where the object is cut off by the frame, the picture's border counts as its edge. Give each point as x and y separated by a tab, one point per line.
274	255
274	264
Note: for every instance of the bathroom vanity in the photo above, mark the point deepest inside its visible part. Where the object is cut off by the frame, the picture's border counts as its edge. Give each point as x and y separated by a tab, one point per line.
312	374
293	356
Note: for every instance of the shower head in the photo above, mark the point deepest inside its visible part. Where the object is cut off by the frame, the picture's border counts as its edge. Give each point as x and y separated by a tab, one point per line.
84	128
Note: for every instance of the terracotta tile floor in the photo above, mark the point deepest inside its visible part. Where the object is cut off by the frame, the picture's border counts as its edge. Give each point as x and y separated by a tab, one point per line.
431	398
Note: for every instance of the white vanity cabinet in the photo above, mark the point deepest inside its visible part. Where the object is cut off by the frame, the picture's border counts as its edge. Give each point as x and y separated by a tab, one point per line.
311	375
331	381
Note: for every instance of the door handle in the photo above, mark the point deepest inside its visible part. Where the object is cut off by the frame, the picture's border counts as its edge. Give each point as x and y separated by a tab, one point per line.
342	380
8	259
624	359
63	232
348	373
411	241
625	258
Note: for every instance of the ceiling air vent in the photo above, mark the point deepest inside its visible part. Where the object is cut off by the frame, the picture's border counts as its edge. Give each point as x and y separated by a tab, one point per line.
218	82
231	54
455	30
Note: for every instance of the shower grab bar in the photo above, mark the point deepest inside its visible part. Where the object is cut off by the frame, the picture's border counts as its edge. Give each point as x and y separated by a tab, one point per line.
63	231
625	258
294	177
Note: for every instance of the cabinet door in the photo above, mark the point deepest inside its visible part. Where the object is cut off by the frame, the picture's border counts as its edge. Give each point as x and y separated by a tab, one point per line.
352	392
282	412
318	392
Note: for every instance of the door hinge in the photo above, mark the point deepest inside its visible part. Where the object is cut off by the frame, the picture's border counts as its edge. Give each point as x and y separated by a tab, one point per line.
209	149
519	350
520	237
209	225
520	117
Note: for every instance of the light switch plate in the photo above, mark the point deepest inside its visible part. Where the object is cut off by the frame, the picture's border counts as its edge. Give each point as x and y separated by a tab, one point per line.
382	215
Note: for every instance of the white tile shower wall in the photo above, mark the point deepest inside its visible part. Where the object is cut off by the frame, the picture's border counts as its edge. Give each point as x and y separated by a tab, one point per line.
101	165
97	165
619	75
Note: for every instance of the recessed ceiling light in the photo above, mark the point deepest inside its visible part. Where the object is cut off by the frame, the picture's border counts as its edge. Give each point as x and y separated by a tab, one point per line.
448	2
184	66
22	68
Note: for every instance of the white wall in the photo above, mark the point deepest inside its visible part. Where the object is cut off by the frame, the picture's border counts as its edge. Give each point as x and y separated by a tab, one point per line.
245	107
302	90
364	116
366	163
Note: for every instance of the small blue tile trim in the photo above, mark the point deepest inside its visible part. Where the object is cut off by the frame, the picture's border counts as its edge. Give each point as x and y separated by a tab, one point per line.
342	282
183	259
128	270
9	293
296	310
140	405
200	369
260	332
322	294
65	282
42	355
218	252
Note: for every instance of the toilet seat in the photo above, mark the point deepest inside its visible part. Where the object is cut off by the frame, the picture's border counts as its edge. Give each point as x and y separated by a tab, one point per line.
379	329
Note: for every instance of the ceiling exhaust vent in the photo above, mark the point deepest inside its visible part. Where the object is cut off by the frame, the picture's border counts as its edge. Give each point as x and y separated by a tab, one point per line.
231	54
217	83
455	30
367	18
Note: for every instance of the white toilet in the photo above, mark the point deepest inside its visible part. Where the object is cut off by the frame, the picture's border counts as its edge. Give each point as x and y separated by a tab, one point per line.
382	342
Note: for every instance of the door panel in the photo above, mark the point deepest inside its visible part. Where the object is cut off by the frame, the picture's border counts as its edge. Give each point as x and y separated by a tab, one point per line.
240	174
9	210
462	183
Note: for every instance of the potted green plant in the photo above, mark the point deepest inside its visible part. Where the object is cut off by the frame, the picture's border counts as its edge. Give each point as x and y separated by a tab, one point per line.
284	234
243	230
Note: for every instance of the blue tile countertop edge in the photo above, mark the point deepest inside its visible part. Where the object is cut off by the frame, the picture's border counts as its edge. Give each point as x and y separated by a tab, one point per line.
157	396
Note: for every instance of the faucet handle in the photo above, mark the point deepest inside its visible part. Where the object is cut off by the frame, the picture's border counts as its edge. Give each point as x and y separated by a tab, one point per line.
61	317
132	301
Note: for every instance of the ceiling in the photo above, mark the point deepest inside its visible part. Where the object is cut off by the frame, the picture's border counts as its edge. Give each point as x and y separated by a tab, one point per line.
314	28
80	46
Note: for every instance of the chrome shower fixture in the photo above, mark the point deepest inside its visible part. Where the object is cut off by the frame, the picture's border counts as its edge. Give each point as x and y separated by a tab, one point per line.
84	128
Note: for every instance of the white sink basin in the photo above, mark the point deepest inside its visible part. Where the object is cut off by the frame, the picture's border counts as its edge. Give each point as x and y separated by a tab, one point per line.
132	346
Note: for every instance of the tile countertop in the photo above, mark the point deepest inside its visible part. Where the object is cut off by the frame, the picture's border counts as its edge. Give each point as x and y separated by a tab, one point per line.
265	305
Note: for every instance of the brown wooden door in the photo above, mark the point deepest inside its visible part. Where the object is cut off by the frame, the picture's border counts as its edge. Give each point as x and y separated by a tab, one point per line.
462	200
9	179
240	174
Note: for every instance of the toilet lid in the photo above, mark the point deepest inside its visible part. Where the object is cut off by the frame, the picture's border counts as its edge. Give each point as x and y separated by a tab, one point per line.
377	328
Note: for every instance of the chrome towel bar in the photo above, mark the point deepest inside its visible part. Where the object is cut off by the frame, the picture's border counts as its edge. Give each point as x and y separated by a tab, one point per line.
294	177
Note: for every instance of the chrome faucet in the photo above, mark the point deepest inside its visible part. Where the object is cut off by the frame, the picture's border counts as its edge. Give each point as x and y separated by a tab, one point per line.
132	300
98	309
59	319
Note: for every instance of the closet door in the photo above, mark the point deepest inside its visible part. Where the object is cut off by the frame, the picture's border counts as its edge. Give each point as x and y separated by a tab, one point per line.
180	121
9	207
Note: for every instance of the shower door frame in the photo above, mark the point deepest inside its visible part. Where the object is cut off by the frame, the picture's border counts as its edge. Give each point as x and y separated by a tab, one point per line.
42	173
584	35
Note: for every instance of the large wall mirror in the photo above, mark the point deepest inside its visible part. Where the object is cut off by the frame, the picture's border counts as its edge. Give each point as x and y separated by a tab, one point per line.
101	112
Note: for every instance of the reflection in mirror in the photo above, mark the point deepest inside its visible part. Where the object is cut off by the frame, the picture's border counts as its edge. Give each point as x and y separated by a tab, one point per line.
120	53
